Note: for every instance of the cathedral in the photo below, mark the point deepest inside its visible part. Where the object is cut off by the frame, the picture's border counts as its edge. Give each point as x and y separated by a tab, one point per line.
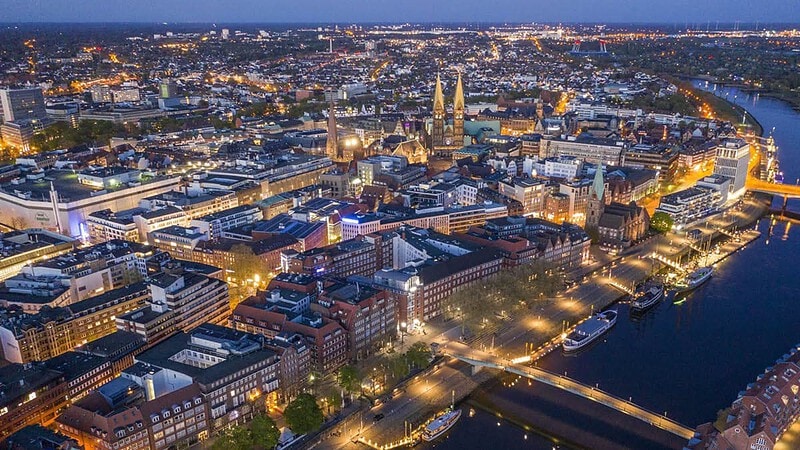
447	135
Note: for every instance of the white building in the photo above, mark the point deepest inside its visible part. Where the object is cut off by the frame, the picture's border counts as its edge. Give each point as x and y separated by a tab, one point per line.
56	200
559	167
690	205
733	158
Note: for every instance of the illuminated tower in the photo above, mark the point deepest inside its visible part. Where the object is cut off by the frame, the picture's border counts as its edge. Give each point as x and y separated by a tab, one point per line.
437	134
332	144
458	112
596	203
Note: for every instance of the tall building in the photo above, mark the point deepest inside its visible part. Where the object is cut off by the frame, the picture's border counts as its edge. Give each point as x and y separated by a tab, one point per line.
437	134
447	136
332	143
458	112
22	104
594	207
733	157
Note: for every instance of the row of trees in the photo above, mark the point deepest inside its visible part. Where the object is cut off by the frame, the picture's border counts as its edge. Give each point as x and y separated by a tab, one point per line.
62	135
394	368
303	415
513	290
262	432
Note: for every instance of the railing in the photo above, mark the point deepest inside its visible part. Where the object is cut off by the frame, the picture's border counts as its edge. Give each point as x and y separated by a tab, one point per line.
562	382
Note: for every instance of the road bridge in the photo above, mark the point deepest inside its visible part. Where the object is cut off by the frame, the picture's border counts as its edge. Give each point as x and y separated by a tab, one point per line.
482	359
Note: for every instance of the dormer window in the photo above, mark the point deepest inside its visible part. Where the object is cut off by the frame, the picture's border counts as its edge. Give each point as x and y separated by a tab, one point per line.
155	418
187	405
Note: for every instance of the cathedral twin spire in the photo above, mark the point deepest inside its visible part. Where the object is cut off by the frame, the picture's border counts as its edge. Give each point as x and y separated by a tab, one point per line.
438	133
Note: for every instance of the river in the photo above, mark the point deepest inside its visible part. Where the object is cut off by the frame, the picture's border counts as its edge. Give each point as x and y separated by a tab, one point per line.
687	360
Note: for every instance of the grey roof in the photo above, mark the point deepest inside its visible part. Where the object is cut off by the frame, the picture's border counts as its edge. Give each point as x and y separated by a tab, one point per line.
160	355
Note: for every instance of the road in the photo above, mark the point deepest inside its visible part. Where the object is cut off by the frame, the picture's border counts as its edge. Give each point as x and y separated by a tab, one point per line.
546	319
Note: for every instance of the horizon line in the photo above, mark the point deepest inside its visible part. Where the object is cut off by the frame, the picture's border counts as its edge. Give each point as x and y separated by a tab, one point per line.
389	22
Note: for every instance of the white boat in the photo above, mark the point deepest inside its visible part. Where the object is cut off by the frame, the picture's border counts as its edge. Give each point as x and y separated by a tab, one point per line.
695	279
441	424
589	330
648	298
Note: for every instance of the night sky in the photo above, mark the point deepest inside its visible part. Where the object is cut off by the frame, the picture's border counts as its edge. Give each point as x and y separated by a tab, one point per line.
344	11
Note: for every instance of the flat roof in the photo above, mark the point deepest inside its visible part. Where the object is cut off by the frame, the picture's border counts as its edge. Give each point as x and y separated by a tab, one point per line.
66	183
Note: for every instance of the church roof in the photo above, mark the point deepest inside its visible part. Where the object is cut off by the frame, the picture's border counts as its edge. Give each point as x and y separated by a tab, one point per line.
458	100
438	96
598	186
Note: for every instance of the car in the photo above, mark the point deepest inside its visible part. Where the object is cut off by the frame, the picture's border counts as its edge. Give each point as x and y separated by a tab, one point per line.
378	417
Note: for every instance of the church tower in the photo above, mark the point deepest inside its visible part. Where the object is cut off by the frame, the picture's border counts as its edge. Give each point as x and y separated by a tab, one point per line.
596	203
458	113
332	144
437	134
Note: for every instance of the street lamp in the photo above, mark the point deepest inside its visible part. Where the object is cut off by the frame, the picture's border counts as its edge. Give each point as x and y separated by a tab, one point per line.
403	328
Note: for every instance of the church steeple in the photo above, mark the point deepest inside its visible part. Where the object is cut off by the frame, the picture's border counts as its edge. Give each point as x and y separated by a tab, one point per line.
332	144
598	185
596	204
437	133
438	96
458	111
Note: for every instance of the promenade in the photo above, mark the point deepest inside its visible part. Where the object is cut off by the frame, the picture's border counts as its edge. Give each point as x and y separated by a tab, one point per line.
539	329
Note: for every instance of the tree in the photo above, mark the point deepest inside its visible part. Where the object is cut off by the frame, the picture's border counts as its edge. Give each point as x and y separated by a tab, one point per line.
303	414
397	366
419	355
237	438
349	378
661	222
264	431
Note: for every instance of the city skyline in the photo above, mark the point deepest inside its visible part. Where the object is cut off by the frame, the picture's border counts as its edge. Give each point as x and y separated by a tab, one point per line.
363	11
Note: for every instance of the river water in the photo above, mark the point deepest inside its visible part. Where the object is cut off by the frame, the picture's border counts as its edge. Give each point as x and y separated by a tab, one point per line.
687	360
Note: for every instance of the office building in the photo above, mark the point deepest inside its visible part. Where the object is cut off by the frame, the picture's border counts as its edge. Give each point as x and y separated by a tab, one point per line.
236	375
178	301
22	104
27	337
733	157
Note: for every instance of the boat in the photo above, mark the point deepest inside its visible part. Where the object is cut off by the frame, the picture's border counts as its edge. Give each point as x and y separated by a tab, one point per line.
648	298
695	279
441	424
589	330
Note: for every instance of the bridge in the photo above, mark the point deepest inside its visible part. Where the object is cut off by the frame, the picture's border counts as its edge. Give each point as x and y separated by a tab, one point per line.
755	184
478	358
785	190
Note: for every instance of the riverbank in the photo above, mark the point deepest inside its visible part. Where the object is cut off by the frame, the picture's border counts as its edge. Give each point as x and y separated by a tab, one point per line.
432	390
725	110
792	99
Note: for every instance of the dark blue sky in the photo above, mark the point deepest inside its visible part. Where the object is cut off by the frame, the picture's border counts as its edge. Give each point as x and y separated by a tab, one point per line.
662	11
